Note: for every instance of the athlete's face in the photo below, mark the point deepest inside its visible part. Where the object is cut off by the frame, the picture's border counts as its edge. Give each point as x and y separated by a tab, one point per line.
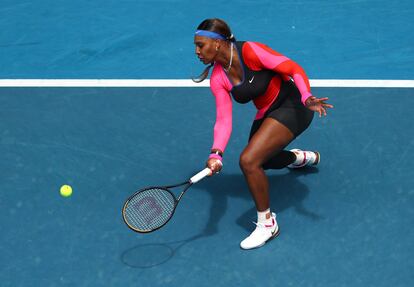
205	49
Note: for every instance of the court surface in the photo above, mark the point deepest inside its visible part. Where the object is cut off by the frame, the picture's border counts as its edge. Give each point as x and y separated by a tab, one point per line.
347	222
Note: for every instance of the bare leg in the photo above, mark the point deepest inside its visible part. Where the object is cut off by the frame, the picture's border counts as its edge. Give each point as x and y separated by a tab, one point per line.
271	138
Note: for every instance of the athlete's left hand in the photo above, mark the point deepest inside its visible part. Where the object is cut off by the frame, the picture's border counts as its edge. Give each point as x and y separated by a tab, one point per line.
318	105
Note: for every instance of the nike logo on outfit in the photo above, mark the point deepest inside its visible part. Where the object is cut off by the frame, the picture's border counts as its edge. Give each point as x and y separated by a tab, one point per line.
251	80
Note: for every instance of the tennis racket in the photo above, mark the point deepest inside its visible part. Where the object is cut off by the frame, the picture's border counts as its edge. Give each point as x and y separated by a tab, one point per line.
151	208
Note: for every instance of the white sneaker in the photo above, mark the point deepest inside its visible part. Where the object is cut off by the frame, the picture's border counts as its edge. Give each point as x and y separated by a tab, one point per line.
261	234
304	158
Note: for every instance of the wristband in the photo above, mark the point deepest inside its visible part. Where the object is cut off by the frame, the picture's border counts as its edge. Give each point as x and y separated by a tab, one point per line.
216	156
217	152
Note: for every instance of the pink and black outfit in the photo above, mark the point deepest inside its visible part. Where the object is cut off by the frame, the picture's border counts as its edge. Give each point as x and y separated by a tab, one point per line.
277	86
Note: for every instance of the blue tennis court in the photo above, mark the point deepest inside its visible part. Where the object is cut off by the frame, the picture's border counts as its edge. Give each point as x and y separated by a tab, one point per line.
345	223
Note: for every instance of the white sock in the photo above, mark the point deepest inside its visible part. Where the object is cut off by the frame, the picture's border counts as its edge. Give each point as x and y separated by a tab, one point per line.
261	217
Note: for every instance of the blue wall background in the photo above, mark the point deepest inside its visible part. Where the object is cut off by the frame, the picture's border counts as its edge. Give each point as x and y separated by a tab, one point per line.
154	39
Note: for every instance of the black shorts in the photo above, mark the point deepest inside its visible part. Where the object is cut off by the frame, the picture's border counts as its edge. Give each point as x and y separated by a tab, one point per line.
288	110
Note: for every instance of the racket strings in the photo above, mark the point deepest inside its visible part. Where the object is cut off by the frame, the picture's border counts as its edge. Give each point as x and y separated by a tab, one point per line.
149	209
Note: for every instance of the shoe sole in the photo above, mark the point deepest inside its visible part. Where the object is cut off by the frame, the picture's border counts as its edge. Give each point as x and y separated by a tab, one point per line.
318	158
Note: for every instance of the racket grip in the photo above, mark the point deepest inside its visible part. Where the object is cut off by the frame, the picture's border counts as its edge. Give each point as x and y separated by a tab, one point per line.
202	174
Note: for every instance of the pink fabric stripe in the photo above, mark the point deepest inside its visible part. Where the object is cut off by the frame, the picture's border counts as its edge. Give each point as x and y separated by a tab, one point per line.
268	60
217	156
260	113
271	61
220	86
219	74
303	88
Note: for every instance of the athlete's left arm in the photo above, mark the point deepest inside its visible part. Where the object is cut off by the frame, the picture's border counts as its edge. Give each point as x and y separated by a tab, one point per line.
272	60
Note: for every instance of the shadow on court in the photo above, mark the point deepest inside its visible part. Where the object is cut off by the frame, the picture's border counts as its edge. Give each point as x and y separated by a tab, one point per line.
151	255
286	191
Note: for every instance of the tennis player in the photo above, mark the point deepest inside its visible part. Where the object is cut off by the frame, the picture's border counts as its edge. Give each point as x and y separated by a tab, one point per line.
280	90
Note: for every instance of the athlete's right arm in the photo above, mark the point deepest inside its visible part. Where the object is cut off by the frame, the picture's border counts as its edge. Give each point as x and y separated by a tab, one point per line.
223	125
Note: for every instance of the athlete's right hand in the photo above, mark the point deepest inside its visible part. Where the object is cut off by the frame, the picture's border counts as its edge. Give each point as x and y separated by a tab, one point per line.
214	164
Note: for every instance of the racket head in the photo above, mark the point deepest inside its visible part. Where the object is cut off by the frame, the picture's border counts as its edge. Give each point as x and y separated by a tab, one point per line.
149	209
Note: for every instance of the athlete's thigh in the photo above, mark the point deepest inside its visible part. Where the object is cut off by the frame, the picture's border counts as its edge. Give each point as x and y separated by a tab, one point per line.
268	140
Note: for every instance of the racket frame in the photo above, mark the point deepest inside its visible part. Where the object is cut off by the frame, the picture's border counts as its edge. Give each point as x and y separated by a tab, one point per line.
196	178
165	188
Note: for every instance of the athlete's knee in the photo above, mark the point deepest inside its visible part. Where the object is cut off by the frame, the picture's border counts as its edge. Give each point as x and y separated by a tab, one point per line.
248	162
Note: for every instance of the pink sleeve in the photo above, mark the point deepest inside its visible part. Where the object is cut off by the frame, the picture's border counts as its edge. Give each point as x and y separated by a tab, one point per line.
220	86
275	61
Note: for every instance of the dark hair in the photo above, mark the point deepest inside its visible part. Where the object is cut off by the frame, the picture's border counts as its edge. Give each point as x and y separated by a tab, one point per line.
218	26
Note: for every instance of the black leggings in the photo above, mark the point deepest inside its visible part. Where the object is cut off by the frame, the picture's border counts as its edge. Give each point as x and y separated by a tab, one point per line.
289	111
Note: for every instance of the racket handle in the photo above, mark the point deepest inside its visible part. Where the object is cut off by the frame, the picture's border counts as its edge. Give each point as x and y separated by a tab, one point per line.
202	174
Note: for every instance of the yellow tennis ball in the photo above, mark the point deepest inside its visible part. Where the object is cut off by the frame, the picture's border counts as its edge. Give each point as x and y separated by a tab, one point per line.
66	190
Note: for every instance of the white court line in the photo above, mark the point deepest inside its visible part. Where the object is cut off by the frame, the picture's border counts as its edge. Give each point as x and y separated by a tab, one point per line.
125	83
